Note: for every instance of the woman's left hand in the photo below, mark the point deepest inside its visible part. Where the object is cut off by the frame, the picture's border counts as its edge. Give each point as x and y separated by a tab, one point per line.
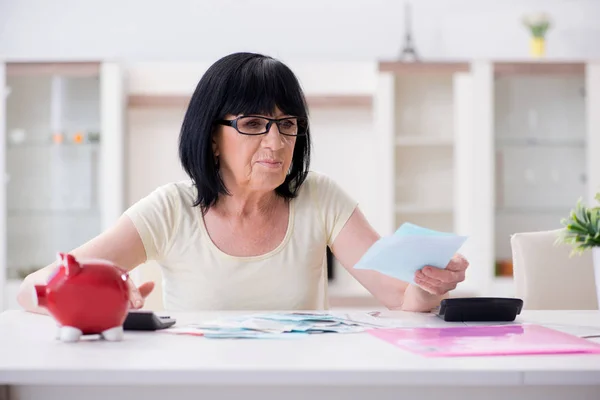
439	281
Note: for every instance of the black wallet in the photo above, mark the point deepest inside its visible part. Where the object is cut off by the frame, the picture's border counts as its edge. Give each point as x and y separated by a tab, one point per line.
483	309
141	320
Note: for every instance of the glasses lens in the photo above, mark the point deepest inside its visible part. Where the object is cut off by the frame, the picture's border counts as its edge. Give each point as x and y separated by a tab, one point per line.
252	125
293	126
288	126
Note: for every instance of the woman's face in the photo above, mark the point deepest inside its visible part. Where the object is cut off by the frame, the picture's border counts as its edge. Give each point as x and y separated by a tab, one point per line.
257	163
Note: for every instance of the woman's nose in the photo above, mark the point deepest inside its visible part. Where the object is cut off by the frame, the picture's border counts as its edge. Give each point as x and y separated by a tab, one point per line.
273	139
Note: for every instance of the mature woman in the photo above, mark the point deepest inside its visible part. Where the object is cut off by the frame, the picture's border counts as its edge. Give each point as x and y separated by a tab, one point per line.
250	229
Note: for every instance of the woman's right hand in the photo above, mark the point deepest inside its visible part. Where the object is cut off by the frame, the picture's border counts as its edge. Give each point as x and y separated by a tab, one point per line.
137	295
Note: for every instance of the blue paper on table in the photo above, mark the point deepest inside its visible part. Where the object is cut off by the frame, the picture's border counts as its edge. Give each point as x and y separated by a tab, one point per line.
409	249
288	325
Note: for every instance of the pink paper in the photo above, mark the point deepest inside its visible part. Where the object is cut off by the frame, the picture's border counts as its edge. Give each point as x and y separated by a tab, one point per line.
496	340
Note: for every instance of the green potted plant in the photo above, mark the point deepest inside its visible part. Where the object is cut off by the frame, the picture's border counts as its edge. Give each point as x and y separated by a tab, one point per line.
538	25
582	231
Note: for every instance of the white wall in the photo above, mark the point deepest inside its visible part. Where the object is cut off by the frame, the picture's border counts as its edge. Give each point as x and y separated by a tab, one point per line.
308	29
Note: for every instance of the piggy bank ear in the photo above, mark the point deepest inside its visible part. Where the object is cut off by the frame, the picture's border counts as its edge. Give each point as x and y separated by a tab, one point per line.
69	264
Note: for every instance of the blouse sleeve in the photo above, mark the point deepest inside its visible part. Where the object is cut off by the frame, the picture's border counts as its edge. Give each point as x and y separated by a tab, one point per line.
156	218
335	204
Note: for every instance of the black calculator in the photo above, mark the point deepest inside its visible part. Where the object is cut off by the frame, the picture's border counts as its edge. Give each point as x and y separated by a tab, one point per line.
144	320
479	309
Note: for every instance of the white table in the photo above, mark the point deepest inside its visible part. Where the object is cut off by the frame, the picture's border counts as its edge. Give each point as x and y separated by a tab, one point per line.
353	366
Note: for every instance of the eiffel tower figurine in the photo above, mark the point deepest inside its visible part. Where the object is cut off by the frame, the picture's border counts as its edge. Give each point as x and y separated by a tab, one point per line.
409	53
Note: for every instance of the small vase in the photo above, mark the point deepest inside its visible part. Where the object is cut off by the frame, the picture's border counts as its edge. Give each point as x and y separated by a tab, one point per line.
596	257
537	47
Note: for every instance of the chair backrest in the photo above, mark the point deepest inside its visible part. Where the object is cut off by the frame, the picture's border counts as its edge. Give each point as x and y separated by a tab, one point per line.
547	277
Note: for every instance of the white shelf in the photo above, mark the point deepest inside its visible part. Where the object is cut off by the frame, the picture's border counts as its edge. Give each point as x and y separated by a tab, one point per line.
423	140
539	141
524	211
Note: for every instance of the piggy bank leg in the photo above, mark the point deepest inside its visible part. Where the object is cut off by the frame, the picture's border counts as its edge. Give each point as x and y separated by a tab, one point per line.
69	334
113	334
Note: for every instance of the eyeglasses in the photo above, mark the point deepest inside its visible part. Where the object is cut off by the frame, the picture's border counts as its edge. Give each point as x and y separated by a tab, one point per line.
255	125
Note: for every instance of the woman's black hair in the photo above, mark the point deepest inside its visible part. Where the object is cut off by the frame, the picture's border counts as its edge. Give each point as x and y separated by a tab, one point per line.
240	83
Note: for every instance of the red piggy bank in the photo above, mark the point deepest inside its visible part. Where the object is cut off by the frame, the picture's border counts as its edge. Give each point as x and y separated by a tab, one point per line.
86	298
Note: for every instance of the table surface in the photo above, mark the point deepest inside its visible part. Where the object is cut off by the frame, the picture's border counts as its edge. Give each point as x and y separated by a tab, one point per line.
30	354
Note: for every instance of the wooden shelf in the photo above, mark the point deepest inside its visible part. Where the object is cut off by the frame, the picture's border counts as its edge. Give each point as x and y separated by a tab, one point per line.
419	209
400	67
80	69
501	68
538	68
425	141
321	101
324	101
158	100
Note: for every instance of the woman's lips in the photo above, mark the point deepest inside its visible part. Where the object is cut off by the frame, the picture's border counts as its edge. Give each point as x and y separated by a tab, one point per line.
270	163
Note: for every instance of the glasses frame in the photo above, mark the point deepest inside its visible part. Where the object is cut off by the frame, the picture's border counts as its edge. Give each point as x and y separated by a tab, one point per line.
234	124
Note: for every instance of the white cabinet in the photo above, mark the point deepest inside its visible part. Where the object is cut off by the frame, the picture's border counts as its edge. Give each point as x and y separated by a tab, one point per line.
62	159
417	108
424	116
487	149
542	141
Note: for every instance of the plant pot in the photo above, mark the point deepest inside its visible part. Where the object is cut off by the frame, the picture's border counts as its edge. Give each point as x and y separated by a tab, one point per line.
596	258
537	47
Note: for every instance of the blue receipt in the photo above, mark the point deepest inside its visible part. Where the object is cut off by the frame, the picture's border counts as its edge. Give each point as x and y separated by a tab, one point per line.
409	249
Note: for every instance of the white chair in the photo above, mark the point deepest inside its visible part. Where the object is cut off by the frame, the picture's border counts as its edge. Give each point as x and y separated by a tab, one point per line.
547	277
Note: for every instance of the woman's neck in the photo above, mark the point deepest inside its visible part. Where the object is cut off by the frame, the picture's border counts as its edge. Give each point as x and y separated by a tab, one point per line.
247	204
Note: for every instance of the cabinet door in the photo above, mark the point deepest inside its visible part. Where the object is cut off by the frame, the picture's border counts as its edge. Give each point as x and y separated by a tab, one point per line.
53	146
540	147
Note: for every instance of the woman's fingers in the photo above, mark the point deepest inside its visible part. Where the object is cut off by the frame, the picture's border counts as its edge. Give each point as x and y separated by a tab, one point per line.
458	263
431	285
443	275
135	298
431	280
434	285
137	295
145	289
